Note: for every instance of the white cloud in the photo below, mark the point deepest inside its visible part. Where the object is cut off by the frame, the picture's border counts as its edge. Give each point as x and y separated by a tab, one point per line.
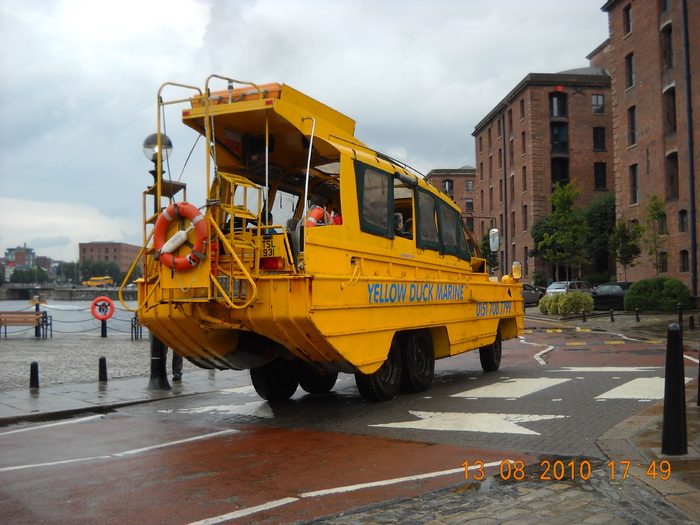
80	78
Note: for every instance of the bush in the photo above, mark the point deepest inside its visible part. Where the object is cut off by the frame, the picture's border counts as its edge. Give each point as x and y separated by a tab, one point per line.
566	303
660	294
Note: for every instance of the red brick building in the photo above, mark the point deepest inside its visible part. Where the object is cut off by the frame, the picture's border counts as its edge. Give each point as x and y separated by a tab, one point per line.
459	185
654	64
551	128
120	253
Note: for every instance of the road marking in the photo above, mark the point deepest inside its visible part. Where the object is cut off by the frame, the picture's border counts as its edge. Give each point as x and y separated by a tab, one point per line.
471	422
51	464
255	408
41	427
338	490
641	388
607	369
512	388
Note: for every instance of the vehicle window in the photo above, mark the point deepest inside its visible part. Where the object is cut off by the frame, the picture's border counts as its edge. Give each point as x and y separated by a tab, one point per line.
558	286
375	192
427	225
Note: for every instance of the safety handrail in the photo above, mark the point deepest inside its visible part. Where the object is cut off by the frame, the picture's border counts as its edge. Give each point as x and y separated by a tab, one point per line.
142	253
239	264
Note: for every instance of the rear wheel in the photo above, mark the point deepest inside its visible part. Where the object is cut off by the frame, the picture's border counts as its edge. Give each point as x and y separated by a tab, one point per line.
490	355
418	362
315	381
277	380
383	384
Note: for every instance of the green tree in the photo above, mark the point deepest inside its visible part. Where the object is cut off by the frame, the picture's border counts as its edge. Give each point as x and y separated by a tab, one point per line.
564	241
486	253
93	268
600	218
654	231
624	245
66	272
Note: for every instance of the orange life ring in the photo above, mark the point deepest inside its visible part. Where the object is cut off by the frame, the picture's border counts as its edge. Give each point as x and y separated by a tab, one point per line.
102	308
171	213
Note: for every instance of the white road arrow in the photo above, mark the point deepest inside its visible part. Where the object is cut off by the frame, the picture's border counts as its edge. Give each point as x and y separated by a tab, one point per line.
472	422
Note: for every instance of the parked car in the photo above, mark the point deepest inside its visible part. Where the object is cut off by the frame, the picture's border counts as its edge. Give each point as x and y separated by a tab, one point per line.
568	287
610	296
532	294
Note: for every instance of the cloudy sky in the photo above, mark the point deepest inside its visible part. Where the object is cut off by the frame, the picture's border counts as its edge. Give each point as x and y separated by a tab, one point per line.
79	79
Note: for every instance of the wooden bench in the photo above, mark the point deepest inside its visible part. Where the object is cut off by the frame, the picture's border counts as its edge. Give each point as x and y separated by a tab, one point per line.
40	320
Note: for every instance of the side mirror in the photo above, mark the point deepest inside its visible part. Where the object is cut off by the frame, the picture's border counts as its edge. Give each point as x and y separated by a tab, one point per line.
494	240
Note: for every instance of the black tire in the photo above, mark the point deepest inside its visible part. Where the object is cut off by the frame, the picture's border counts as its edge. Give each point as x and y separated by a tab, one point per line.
277	380
490	355
314	381
383	384
418	362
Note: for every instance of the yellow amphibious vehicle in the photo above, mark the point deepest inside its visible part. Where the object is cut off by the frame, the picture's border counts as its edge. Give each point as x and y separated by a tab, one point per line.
377	278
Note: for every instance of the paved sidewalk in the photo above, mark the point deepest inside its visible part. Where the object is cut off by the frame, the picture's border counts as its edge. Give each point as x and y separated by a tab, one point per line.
68	373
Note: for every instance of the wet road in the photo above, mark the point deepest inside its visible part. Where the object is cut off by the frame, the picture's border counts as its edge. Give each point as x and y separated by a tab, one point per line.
229	455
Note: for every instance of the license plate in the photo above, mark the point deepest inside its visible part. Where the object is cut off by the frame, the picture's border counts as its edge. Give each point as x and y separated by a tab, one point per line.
268	248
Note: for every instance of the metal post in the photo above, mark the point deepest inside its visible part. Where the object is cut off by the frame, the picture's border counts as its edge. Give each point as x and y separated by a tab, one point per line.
674	435
159	376
103	369
636	313
584	316
612	315
104	328
37	329
680	316
34	375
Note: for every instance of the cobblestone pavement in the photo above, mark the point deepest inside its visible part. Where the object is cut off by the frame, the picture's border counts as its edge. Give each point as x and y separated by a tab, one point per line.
596	501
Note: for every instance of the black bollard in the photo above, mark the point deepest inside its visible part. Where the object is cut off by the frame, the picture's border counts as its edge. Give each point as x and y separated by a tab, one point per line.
103	369
680	317
691	322
636	313
34	375
674	435
584	316
37	329
159	374
612	315
104	327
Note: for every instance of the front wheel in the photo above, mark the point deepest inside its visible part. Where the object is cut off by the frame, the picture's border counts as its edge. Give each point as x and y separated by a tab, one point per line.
490	355
383	384
277	380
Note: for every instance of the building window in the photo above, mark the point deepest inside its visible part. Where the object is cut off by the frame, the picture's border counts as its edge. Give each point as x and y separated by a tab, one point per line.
634	184
663	262
482	199
672	176
670	110
663	224
557	104
667	46
490	198
522	108
470	185
598	103
524	179
481	143
600	175
481	171
500	191
524	145
685	261
512	221
560	171
629	70
559	134
599	139
525	225
526	264
632	125
469	205
683	221
627	19
448	187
